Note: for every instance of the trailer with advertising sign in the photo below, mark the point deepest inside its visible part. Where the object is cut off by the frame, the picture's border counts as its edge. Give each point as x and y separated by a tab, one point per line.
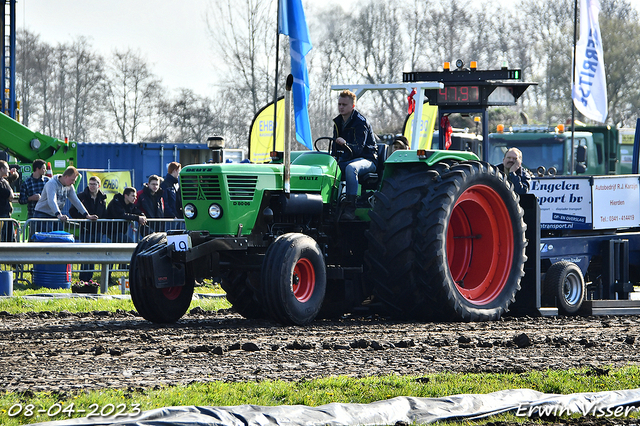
589	244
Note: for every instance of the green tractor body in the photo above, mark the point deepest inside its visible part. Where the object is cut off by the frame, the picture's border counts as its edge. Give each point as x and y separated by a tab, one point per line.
289	256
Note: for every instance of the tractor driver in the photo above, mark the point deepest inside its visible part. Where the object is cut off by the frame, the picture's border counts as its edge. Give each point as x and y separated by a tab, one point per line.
512	167
352	129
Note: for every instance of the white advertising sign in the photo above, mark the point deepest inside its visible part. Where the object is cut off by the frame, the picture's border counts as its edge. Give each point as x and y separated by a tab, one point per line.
616	202
565	202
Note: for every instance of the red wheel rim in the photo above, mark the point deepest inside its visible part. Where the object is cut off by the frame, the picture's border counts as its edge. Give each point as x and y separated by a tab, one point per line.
172	293
480	244
304	280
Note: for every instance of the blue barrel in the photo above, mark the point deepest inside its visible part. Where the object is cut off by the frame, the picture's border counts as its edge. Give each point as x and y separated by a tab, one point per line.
52	276
6	283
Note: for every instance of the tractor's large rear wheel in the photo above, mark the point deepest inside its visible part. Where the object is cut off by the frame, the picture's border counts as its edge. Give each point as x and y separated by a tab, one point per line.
391	257
294	279
472	249
242	290
159	305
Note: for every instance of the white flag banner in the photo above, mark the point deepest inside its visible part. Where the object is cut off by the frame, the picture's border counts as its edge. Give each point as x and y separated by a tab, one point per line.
590	85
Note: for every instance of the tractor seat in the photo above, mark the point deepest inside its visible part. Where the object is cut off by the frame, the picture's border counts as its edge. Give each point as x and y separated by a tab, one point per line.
370	181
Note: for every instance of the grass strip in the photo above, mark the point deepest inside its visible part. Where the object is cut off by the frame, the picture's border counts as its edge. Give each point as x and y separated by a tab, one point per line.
19	304
316	392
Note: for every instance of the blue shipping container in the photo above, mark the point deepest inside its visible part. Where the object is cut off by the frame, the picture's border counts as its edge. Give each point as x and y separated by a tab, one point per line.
143	159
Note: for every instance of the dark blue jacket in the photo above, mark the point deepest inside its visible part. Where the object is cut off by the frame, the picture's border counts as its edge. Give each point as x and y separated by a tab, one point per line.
170	187
152	205
521	179
359	136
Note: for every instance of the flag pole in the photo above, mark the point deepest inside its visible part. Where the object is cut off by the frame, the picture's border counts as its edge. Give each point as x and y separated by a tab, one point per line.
573	81
275	90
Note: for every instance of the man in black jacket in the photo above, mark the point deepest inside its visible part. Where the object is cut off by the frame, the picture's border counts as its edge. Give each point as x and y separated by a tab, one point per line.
150	202
95	201
122	206
352	130
512	167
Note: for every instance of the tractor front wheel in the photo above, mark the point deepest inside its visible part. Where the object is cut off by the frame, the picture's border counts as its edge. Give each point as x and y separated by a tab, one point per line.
159	305
294	279
242	291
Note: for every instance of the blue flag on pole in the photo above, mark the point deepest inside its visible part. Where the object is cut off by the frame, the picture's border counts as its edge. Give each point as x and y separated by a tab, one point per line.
293	23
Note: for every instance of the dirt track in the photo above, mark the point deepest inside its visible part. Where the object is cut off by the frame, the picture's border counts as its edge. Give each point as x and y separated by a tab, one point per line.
64	352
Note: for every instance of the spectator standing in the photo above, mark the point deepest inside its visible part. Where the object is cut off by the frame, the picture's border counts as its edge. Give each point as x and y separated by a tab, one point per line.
32	188
123	206
54	196
6	208
170	190
95	202
150	200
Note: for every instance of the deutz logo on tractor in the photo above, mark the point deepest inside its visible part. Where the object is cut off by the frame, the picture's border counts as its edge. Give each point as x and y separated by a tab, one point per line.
308	177
201	195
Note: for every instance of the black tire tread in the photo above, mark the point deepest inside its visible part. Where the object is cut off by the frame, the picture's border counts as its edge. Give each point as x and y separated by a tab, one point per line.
150	302
390	259
445	303
276	293
553	282
241	295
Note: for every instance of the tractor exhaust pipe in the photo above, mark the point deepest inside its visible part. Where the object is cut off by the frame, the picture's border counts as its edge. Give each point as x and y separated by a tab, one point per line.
287	135
216	145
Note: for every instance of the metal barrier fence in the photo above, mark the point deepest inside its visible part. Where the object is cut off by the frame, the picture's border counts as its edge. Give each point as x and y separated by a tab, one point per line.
102	231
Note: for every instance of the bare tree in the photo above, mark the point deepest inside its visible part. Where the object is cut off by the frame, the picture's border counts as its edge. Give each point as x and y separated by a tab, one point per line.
30	49
193	117
85	72
243	34
549	24
131	93
620	31
366	46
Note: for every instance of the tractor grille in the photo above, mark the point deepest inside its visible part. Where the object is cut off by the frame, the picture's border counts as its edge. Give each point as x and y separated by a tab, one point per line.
242	188
201	188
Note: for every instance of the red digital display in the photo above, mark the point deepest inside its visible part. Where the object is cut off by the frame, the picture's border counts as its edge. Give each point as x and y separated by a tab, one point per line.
458	95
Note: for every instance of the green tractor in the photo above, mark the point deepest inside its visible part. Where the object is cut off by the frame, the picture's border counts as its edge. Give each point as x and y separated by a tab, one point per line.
438	235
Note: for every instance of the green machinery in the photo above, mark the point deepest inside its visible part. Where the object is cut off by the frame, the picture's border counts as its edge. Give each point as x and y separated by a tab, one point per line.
22	145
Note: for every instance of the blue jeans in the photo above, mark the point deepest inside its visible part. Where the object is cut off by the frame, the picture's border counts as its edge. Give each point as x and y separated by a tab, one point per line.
354	168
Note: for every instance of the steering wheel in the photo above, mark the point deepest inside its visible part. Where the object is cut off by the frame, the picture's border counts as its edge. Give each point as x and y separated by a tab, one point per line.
340	149
317	148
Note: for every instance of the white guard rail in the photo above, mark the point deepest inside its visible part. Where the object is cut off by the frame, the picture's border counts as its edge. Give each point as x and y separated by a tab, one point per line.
51	253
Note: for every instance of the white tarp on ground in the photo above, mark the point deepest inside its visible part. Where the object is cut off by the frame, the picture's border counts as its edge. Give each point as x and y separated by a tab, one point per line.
522	402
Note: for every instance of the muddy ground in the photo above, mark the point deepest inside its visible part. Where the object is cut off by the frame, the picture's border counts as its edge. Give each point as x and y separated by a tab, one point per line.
69	352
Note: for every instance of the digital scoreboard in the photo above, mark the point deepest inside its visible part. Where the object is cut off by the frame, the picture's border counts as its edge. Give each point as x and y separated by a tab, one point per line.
466	94
471	87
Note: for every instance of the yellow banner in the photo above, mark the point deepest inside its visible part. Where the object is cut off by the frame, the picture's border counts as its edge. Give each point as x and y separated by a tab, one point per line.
429	117
261	133
111	182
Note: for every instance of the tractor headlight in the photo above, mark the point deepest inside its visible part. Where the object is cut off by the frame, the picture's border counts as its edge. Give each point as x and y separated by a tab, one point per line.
190	211
215	211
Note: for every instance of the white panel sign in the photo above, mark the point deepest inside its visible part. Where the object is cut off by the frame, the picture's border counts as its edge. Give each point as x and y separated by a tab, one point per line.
616	202
181	242
565	202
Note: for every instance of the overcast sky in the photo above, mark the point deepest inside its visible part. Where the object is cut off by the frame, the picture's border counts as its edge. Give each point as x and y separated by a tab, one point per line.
170	34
